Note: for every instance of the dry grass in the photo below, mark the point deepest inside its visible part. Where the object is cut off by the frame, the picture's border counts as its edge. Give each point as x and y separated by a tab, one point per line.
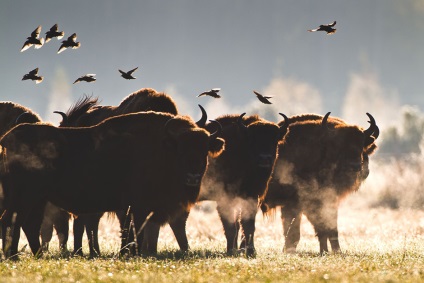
380	245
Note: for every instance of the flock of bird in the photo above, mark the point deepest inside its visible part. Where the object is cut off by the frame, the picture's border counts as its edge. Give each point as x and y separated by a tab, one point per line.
70	42
35	40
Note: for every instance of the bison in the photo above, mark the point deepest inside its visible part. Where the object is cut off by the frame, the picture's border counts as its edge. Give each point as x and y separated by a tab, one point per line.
87	112
12	114
151	162
320	161
237	180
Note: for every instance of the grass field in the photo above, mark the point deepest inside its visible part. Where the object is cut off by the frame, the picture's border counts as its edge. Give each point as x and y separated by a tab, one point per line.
379	245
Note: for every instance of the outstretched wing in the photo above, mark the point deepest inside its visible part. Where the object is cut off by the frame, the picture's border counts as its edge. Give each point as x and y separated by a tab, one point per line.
257	93
332	24
26	46
54	28
36	32
33	72
73	37
62	48
132	71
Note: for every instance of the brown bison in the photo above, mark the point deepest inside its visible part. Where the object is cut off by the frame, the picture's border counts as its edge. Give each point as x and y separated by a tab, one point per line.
12	114
151	162
320	161
237	180
87	112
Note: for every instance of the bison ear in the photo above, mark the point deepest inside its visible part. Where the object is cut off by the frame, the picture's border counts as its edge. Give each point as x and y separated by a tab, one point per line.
216	147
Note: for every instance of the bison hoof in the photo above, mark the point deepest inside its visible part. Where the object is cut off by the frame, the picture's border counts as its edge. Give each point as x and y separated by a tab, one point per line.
248	252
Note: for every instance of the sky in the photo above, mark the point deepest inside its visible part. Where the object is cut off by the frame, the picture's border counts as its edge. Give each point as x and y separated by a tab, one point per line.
373	63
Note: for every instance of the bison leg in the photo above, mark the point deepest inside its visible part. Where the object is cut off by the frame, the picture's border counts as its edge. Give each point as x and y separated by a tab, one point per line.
323	217
92	229
150	240
178	226
31	228
61	224
78	233
229	219
46	231
11	232
291	218
248	214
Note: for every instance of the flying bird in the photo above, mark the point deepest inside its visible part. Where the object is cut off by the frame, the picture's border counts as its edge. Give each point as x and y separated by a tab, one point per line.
213	93
327	28
33	40
263	99
70	42
128	75
86	78
33	75
54	32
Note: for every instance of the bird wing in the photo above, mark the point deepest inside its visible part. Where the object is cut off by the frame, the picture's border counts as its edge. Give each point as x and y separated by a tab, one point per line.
73	37
122	72
268	97
257	93
132	71
203	93
90	75
216	89
311	30
36	32
332	24
33	72
62	48
54	28
26	46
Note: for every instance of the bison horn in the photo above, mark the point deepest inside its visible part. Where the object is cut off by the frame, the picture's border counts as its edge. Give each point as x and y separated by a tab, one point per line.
286	122
202	122
218	132
64	117
324	121
242	126
20	116
371	129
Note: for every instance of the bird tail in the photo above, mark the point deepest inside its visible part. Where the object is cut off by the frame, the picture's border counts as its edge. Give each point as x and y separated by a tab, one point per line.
41	45
39	80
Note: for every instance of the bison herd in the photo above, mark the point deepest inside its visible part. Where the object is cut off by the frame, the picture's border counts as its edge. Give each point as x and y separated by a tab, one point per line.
149	164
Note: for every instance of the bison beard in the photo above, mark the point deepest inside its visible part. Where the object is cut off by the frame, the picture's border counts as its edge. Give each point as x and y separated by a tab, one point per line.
320	161
106	167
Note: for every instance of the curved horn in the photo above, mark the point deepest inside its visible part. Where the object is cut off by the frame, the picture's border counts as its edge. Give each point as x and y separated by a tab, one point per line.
286	122
371	129
20	116
218	132
240	122
202	122
324	121
64	117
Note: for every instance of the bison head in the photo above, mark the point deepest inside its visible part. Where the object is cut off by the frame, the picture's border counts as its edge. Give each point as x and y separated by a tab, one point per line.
262	140
348	149
192	146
